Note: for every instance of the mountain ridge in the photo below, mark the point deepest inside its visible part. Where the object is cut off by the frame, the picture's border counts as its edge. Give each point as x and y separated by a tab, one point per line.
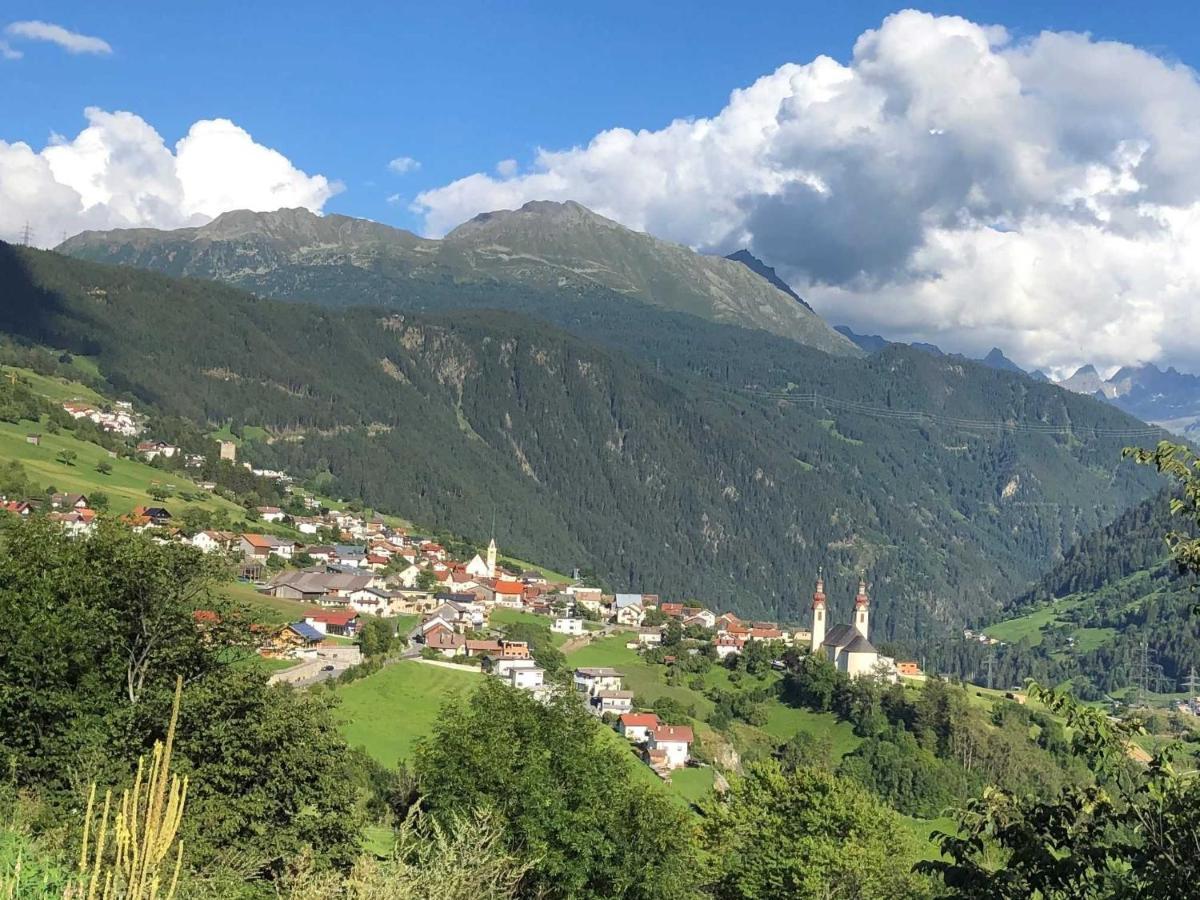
543	245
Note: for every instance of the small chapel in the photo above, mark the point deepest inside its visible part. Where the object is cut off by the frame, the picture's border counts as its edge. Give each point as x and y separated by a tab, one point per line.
848	647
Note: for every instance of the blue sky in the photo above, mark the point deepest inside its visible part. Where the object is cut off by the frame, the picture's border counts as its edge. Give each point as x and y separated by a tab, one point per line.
916	173
343	88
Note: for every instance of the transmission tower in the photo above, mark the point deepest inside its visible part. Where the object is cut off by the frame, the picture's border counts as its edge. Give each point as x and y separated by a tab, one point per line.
1191	682
26	234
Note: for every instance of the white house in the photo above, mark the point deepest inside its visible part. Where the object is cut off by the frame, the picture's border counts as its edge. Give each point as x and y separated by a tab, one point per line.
637	726
527	677
628	609
213	541
727	645
674	742
650	636
616	702
592	680
567	626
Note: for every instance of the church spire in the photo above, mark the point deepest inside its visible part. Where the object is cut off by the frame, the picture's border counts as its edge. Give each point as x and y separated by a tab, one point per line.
862	607
818	607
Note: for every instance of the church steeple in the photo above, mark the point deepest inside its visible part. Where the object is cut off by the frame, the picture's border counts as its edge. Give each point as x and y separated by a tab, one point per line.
862	607
491	558
818	607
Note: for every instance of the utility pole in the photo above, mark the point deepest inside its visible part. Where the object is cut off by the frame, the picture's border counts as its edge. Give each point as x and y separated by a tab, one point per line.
1191	682
991	658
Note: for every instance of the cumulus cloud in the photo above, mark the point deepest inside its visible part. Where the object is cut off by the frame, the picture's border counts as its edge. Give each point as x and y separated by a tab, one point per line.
119	173
948	183
402	165
71	41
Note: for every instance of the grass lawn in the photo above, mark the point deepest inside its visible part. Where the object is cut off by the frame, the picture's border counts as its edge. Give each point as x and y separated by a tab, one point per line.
784	721
276	665
1087	639
57	389
126	486
1028	626
921	829
386	713
522	566
503	616
692	785
267	610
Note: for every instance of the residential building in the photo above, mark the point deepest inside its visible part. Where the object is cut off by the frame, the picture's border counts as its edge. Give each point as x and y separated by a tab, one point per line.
674	742
568	626
615	702
593	679
342	622
637	726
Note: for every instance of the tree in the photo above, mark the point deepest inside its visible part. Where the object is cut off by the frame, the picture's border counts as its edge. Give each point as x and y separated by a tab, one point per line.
566	792
66	457
427	580
104	467
377	637
1183	465
808	834
1129	832
108	625
98	500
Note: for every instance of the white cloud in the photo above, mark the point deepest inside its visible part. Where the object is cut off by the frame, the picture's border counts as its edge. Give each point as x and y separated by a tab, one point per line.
506	168
402	165
71	41
947	183
7	51
394	199
119	173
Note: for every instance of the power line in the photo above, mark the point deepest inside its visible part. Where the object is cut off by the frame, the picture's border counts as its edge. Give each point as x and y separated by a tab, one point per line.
922	417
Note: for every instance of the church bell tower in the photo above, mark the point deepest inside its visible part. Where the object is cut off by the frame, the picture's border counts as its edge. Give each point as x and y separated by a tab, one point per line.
862	608
818	607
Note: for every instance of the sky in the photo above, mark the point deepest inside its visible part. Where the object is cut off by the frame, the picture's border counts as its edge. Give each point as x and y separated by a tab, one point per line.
1025	175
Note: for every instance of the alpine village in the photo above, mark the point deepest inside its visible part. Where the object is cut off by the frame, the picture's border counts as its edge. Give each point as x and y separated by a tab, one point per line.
563	543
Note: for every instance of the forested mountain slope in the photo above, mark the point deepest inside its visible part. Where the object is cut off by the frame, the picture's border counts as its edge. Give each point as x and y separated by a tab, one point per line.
562	248
1115	603
669	474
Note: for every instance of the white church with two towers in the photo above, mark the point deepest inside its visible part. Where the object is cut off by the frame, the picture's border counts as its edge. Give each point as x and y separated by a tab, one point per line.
848	647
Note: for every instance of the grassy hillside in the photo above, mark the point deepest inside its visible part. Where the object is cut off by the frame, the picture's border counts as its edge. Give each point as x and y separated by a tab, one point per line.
127	485
388	712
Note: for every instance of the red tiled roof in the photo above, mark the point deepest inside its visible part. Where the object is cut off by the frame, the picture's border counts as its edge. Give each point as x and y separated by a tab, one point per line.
333	616
639	720
509	587
673	733
767	633
254	540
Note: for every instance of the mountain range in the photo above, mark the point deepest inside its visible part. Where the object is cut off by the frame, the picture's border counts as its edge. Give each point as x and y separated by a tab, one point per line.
1170	399
545	247
612	420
